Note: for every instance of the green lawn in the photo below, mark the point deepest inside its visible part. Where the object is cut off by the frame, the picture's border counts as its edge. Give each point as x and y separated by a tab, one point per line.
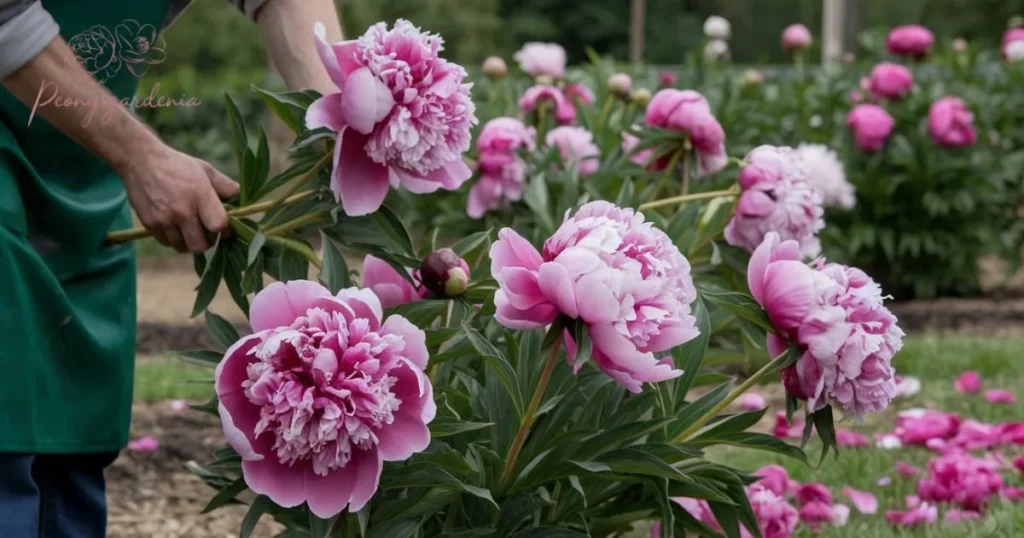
168	378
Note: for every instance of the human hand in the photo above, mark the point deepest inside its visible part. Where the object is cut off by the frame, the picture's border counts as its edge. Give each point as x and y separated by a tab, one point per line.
178	197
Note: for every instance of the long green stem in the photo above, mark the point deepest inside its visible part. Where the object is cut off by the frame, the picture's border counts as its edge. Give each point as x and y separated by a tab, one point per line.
736	393
298	222
297	184
123	236
669	170
686	174
605	109
531	414
686	198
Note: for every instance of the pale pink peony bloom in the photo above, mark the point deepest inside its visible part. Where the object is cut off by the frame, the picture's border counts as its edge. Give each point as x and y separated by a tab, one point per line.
608	268
891	81
917	428
883	481
144	444
907	386
502	170
840	514
950	123
403	115
774	478
969	382
495	67
955	515
1000	396
851	439
796	37
775	517
871	126
825	173
910	40
578	93
813	492
972	435
390	287
751	401
688	112
576	145
542	59
777	197
835	314
960	479
535	96
907	470
322	394
865	502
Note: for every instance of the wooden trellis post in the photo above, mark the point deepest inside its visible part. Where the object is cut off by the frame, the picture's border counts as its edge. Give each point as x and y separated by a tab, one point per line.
638	14
833	26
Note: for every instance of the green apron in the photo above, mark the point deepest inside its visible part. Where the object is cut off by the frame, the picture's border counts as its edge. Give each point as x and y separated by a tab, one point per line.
67	301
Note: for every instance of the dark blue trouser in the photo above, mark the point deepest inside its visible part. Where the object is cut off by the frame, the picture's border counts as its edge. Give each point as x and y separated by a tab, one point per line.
53	496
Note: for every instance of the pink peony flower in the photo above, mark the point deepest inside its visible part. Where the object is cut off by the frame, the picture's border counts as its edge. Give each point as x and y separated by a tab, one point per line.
542	59
577	147
403	115
907	386
907	470
796	37
777	197
144	444
890	81
1011	36
689	112
502	170
774	478
606	267
1018	462
847	438
1013	494
816	514
565	111
640	158
916	428
322	394
814	492
751	401
923	513
969	382
667	80
955	515
1011	433
910	40
578	93
776	518
865	502
973	435
871	126
960	479
390	287
950	123
1000	396
835	315
699	509
825	173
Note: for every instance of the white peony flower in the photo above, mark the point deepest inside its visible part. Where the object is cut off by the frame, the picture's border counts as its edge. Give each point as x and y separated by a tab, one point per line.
1014	50
825	172
716	49
716	27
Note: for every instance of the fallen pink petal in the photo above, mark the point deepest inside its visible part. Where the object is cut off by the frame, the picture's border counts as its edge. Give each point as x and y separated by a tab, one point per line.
864	502
1000	396
922	514
848	438
906	469
955	515
144	444
884	481
968	383
751	401
178	405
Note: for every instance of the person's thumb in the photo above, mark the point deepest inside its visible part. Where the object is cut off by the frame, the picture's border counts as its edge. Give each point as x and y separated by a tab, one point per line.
225	186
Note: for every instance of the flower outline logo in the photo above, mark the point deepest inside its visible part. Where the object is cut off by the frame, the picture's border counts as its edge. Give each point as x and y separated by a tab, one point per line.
133	45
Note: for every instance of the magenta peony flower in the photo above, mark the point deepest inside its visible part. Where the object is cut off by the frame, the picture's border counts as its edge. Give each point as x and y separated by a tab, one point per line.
890	81
961	479
918	427
835	315
565	111
502	170
689	112
775	479
972	435
667	79
606	267
1013	494
816	515
796	37
871	126
1018	462
390	288
403	115
852	439
577	147
950	123
814	492
969	382
910	40
1011	433
777	197
1000	396
322	394
542	59
783	429
775	517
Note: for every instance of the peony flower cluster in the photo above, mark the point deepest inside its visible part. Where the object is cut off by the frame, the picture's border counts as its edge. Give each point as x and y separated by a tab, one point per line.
502	170
777	197
576	145
403	115
390	287
960	479
910	40
609	269
796	37
950	123
826	174
890	81
688	112
834	314
322	394
539	59
871	126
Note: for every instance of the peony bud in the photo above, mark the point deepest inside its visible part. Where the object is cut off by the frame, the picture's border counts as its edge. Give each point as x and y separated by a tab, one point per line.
667	80
715	50
445	273
716	27
960	45
620	84
641	96
495	67
753	77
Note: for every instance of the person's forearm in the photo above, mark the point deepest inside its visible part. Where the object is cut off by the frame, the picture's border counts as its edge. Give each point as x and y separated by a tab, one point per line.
55	87
287	28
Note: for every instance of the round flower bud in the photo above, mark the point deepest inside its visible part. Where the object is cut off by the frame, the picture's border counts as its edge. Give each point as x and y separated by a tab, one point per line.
641	96
960	45
445	273
620	84
495	67
753	77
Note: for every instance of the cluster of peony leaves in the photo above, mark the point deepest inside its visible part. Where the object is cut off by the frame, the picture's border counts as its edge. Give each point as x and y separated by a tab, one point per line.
534	380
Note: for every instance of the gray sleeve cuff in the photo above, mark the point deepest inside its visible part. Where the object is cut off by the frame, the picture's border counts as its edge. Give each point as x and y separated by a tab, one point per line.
249	7
24	36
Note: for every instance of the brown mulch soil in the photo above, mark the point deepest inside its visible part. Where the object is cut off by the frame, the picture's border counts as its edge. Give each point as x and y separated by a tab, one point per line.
153	495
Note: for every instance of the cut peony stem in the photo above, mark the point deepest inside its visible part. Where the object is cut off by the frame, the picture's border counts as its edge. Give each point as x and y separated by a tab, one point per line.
531	414
687	198
124	236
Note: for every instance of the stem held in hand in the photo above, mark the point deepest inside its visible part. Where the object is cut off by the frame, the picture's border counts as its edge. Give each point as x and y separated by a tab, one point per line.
531	414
